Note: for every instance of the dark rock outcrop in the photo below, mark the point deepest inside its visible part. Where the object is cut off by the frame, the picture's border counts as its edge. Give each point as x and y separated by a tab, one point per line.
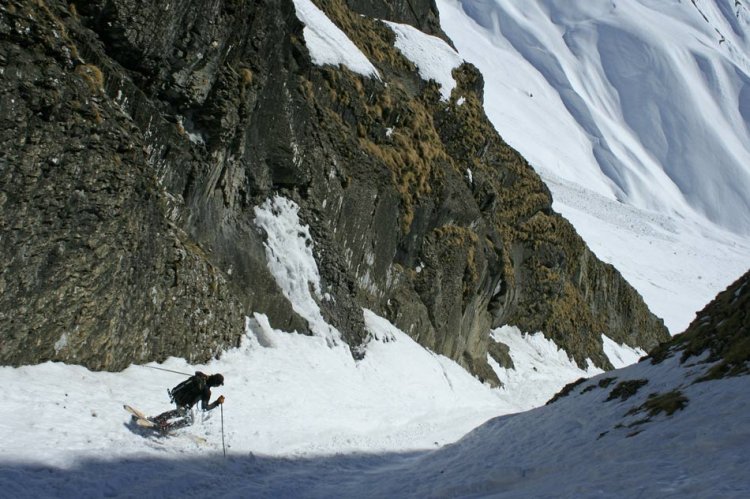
422	14
719	336
138	140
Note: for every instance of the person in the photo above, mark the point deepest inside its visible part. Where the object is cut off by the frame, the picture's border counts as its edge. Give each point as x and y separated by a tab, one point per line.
196	388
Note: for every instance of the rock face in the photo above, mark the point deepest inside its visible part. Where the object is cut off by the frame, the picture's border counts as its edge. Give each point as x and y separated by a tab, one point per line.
422	14
719	336
137	139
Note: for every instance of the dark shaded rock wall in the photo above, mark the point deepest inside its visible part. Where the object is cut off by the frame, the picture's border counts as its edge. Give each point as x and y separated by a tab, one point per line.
138	137
95	268
422	14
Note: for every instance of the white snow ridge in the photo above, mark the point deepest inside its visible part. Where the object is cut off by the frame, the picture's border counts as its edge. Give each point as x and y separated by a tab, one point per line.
433	57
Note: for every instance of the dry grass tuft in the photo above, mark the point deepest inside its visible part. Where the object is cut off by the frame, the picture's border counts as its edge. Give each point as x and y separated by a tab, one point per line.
247	76
92	75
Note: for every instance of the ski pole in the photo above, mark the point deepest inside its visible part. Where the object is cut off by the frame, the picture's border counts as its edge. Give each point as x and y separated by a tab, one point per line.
222	431
167	370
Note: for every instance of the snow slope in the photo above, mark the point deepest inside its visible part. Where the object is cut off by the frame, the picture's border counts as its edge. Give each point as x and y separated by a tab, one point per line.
328	44
292	403
289	398
637	115
595	443
302	419
433	57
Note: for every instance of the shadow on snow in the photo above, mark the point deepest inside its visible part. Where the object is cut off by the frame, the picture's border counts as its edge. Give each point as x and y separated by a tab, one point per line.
350	475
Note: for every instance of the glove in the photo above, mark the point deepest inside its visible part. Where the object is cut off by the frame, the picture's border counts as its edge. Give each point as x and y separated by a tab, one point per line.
220	400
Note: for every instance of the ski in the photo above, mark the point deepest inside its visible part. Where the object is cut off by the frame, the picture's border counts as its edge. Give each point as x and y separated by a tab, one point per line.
135	412
139	418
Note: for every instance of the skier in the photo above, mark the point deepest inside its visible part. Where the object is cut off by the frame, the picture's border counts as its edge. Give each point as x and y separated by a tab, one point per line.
185	395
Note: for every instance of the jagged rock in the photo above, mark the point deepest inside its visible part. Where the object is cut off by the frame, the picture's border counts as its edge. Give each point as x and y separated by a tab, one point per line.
500	352
94	270
719	336
137	142
422	14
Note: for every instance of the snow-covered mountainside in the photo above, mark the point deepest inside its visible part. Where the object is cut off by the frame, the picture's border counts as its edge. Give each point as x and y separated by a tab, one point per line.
637	115
673	425
303	419
415	207
293	404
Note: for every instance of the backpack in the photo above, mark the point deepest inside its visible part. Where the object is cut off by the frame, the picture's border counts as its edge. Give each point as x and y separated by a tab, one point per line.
187	392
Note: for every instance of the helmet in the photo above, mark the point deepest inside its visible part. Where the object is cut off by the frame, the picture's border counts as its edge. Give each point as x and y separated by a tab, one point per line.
215	380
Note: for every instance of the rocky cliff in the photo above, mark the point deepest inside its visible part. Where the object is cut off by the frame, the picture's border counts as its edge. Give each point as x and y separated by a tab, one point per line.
139	136
719	337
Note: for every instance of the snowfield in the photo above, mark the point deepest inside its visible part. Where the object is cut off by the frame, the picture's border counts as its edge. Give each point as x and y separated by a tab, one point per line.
302	419
636	114
290	398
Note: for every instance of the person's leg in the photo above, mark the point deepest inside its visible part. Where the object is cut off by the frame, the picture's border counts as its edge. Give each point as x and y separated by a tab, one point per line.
175	425
162	418
186	419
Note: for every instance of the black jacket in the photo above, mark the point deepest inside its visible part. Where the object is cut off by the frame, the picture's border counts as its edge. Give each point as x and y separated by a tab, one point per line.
193	390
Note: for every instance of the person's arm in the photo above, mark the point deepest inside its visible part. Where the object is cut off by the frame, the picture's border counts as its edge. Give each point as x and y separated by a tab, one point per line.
206	397
217	402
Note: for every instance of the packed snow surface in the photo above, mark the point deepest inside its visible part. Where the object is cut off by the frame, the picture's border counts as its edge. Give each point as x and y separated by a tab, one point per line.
637	115
302	419
290	399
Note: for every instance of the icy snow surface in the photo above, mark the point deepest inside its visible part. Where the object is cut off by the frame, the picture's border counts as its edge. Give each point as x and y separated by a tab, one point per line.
290	259
638	119
621	355
328	44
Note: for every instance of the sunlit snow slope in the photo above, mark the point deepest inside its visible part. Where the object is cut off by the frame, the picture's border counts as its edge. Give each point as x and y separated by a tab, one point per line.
302	419
291	400
637	115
